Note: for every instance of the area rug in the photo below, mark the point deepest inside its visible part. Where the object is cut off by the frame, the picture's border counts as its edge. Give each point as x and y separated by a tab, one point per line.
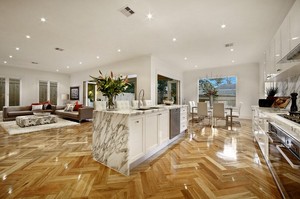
12	128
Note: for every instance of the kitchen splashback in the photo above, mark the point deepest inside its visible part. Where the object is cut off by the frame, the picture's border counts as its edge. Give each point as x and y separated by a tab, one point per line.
288	86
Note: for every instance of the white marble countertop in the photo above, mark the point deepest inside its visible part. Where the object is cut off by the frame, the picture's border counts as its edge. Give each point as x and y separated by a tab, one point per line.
292	128
134	111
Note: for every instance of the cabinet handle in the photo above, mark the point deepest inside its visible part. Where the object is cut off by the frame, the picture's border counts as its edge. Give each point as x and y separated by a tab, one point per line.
137	121
160	114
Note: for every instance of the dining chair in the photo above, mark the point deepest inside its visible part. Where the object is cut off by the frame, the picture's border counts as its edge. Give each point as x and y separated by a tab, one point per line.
135	103
235	112
148	103
122	104
202	111
100	105
219	112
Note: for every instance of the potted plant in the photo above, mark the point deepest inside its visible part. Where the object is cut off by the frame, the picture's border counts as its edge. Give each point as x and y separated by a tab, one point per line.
271	92
111	86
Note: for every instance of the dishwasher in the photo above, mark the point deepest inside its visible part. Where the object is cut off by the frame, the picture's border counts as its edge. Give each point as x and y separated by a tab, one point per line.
174	122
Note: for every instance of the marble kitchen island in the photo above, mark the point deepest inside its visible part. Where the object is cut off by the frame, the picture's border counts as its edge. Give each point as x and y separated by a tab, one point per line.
122	139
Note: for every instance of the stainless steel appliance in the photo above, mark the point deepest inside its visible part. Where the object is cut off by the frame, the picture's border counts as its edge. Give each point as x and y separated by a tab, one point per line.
174	122
283	160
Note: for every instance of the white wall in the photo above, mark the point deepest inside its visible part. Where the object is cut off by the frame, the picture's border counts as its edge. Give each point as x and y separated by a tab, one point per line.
30	82
247	84
161	67
141	66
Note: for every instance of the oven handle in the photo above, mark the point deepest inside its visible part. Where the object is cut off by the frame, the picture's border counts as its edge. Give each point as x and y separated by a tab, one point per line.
286	158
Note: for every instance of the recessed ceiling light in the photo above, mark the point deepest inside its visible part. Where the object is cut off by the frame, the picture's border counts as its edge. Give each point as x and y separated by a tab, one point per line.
43	19
17	48
28	36
10	56
68	67
5	62
80	62
196	66
185	58
149	16
223	26
174	39
57	70
232	61
98	57
277	55
295	38
231	49
119	50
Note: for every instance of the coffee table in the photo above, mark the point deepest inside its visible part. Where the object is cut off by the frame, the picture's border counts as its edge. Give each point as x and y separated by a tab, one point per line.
34	120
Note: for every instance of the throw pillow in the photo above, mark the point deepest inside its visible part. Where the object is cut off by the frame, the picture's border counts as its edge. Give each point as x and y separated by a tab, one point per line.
77	106
37	107
69	107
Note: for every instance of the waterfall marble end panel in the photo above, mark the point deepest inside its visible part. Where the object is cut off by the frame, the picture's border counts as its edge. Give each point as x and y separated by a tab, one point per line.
110	140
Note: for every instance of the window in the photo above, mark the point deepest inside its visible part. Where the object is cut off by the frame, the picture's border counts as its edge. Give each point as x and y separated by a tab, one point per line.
14	92
167	88
222	89
53	92
2	93
43	91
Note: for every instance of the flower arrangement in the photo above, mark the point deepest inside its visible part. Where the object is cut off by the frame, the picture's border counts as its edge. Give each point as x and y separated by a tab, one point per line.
111	86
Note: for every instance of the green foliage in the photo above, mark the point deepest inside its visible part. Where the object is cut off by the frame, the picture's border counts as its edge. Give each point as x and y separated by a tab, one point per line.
111	85
208	88
272	91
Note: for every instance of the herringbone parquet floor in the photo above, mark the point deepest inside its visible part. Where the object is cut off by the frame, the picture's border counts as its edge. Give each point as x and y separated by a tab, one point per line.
205	163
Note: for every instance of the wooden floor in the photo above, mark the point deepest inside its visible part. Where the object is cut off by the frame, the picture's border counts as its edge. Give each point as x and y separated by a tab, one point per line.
205	163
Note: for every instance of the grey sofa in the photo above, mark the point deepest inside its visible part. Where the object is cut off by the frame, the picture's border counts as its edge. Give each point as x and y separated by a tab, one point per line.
11	112
82	113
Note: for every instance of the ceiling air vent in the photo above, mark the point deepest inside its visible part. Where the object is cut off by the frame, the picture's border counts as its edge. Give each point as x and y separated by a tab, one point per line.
33	62
126	11
59	49
228	45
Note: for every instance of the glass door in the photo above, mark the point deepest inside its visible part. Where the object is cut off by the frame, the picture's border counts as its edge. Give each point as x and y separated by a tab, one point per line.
14	92
2	93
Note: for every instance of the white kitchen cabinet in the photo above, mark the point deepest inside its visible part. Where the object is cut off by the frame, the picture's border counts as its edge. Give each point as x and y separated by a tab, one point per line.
151	131
163	126
270	59
136	138
285	36
295	25
183	118
277	44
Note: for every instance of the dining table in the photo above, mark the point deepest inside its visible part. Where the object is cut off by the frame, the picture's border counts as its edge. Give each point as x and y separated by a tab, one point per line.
230	108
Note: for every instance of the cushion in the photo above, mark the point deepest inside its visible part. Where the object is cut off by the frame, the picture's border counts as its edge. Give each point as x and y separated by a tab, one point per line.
77	106
69	107
37	107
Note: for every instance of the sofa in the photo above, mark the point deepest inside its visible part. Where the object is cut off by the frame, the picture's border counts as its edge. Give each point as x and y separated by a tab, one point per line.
11	112
82	113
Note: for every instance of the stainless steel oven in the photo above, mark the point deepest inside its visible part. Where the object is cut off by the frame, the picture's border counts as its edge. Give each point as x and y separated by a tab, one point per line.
284	161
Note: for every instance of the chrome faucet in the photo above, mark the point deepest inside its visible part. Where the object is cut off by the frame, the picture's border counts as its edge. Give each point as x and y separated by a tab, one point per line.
139	102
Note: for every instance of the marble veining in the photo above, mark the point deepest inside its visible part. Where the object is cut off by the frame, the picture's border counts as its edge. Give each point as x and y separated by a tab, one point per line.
288	86
110	140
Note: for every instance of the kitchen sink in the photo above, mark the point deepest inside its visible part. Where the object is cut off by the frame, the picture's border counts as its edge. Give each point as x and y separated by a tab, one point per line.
146	108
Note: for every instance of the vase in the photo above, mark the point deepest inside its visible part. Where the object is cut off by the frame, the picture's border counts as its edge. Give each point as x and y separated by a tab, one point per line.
294	107
111	105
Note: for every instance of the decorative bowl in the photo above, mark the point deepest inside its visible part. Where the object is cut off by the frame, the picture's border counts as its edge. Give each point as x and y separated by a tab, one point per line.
168	102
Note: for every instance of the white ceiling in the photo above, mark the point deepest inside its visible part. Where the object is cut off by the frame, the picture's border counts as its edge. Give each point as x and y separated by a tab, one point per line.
87	29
